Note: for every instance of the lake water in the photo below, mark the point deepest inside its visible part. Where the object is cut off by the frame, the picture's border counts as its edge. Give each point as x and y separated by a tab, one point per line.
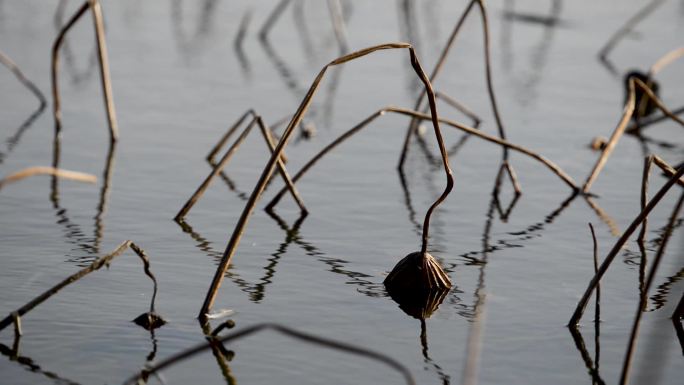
179	83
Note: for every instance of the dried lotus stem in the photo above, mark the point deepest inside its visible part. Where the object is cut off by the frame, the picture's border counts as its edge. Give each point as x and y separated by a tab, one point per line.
296	119
44	170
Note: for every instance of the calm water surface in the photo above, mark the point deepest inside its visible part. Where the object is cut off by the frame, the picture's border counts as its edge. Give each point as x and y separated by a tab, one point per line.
179	83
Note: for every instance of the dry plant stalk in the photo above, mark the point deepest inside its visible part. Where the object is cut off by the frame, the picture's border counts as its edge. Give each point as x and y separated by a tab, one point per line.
96	11
420	116
294	122
490	88
619	130
668	170
665	61
301	336
266	133
43	170
413	126
631	346
582	304
14	68
96	265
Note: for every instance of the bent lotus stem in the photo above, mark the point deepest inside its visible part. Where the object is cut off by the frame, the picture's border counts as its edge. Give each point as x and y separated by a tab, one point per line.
294	122
95	9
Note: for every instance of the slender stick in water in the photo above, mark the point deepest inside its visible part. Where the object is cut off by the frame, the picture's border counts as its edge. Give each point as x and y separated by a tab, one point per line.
579	310
631	346
96	11
420	116
413	126
96	265
619	130
266	132
296	119
42	170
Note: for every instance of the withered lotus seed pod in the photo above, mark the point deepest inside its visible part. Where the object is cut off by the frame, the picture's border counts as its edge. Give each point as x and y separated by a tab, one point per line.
149	320
417	272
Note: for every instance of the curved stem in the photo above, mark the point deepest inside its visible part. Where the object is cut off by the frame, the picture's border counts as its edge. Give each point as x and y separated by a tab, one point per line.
270	166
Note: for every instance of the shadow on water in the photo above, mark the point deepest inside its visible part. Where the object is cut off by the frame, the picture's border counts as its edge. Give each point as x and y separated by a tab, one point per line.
29	364
256	291
77	76
13	140
72	231
189	44
540	53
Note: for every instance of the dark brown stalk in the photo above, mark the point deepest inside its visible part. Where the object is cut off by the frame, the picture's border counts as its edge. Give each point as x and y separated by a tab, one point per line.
96	265
96	11
305	337
12	66
648	161
296	119
413	126
624	377
619	130
579	310
228	155
419	116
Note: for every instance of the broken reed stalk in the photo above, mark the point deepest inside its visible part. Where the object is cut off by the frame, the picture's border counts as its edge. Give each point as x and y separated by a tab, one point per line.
666	60
294	122
647	121
420	116
582	304
667	169
14	68
96	265
43	170
266	133
413	126
619	130
301	336
631	346
96	11
627	27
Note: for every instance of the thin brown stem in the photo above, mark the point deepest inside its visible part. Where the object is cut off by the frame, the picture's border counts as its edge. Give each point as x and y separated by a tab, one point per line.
419	116
648	161
296	119
666	60
42	170
266	133
96	265
631	345
96	11
619	130
413	126
579	310
305	337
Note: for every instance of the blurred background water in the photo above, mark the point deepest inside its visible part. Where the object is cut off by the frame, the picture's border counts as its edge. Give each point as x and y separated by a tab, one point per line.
180	79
